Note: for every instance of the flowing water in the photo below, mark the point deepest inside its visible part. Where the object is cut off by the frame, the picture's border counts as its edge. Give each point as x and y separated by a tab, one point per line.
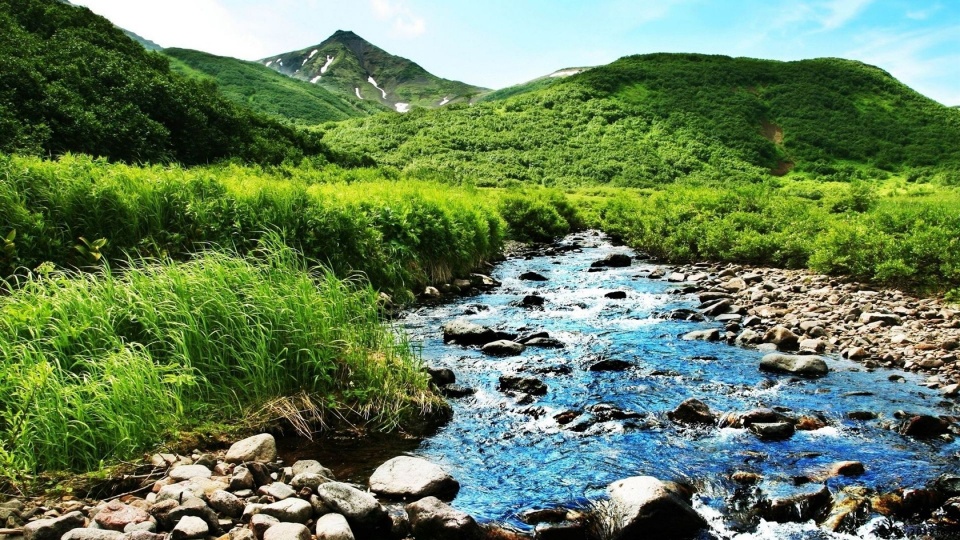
510	457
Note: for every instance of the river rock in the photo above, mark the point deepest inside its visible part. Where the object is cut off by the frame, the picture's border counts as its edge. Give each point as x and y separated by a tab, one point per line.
783	338
366	516
116	515
226	503
846	468
616	295
483	281
54	528
261	447
532	276
610	364
333	527
277	491
439	377
702	335
309	481
849	512
241	479
924	426
773	431
413	477
431	292
189	527
259	524
503	347
798	508
802	365
287	531
693	411
431	519
886	319
525	385
89	533
532	301
544	343
467	333
614	260
189	472
456	391
292	510
645	507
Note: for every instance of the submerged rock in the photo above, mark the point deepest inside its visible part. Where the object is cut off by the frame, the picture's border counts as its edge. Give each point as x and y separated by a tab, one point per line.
702	335
503	347
645	507
532	276
798	508
610	365
413	477
526	385
924	426
773	431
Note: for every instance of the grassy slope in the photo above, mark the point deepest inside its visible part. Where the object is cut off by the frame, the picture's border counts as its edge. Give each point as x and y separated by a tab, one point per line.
651	119
356	59
263	90
72	82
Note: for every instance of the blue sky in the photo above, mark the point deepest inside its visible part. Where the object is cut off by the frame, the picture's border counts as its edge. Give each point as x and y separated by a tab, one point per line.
496	43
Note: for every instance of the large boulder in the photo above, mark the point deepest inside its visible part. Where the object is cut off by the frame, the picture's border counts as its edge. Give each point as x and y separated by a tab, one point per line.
783	338
431	519
413	477
645	507
261	447
52	529
802	365
367	518
467	333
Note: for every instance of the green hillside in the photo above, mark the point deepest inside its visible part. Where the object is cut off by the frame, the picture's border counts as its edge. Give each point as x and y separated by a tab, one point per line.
345	63
70	81
657	118
264	90
530	86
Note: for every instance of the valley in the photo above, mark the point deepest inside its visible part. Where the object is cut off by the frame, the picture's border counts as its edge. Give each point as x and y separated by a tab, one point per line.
195	249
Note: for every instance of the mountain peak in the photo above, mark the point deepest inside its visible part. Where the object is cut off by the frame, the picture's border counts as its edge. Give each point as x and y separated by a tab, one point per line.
352	67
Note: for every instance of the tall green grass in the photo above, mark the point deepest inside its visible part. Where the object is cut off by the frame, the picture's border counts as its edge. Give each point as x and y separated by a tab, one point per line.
98	367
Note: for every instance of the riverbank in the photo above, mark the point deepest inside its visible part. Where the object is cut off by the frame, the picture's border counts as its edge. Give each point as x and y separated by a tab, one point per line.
874	326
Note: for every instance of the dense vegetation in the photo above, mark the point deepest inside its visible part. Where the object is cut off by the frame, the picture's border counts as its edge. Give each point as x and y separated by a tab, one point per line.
263	90
355	59
398	231
652	119
72	82
893	233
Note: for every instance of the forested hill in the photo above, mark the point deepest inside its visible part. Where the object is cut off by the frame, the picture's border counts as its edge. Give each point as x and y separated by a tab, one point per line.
658	118
70	81
262	89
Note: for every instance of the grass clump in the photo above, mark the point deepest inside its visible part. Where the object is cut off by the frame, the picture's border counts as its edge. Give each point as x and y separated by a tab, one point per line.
98	367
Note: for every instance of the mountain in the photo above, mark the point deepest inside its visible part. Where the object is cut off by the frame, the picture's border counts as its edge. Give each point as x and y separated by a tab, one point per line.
536	84
262	89
650	119
348	65
70	81
147	44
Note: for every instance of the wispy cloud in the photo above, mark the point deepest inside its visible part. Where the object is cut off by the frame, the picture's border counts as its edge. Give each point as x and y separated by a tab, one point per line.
404	21
924	14
837	13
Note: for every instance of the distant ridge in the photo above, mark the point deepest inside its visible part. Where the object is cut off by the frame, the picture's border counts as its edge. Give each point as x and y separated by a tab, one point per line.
350	66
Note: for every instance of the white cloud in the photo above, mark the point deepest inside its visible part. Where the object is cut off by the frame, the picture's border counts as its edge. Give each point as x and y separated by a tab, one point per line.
206	25
404	21
837	13
924	14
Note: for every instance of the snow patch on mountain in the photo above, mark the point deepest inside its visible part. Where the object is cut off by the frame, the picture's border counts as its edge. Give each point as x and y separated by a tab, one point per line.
313	53
444	102
402	107
315	79
269	63
357	90
327	65
374	83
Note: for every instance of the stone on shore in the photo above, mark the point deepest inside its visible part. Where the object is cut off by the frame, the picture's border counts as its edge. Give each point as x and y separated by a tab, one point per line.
802	365
287	531
54	528
431	519
333	527
413	477
261	447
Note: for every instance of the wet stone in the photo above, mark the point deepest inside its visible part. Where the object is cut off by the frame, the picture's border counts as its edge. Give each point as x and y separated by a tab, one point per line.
525	385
